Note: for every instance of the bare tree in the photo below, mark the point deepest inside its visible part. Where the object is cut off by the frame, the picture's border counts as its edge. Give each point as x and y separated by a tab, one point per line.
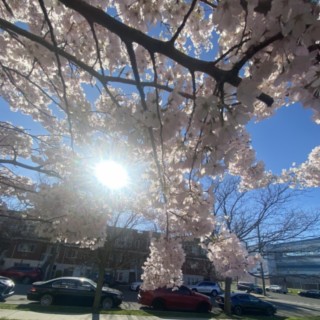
263	217
267	214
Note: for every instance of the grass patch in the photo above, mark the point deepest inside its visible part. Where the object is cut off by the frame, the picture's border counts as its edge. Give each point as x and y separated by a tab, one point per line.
58	309
293	291
51	309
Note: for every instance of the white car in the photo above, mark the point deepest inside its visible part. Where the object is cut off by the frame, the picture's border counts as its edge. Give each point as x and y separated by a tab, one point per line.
207	287
277	289
135	286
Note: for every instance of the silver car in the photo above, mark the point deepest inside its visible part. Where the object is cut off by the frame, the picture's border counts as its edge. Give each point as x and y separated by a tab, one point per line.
207	287
277	289
6	288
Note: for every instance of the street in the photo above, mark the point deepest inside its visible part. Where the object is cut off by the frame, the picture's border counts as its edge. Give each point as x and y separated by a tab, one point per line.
294	305
287	305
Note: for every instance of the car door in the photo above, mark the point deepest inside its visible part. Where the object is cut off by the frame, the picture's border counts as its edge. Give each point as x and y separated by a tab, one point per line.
181	298
243	300
256	304
85	293
204	287
80	293
65	291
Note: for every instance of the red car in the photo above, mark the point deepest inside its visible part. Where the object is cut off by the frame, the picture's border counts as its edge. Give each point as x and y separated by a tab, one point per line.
178	298
25	275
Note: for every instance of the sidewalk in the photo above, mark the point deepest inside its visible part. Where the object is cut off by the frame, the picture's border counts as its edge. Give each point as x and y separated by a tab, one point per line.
31	315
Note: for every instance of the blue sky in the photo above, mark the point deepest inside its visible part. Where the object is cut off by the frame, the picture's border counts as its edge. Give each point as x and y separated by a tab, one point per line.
287	137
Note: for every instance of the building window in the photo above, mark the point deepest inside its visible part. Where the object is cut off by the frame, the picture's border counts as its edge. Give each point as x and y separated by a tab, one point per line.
72	253
26	247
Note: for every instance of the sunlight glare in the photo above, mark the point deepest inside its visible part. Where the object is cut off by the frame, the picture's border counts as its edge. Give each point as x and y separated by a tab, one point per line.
111	174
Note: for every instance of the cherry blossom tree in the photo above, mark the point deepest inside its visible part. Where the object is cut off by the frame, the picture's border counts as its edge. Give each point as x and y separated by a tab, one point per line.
168	85
230	258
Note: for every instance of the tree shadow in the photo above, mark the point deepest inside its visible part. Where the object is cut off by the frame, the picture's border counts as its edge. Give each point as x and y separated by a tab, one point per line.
95	316
298	310
183	314
56	309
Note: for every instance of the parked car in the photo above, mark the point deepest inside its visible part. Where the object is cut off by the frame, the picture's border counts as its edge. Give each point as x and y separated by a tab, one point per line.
22	274
310	293
72	290
277	289
245	302
135	286
177	298
207	287
249	287
6	288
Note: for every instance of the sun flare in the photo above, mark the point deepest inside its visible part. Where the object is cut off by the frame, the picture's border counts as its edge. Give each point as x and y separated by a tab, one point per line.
111	174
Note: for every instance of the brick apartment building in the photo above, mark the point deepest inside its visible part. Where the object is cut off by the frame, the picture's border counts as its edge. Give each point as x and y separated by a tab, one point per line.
130	250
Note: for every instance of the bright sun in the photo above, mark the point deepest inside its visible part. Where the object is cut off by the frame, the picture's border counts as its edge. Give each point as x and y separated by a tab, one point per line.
111	174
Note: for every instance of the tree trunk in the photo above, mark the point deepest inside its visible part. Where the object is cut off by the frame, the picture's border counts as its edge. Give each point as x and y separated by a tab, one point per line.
97	296
263	280
227	295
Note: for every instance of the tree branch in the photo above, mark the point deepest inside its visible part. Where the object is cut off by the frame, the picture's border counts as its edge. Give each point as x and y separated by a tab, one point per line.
128	34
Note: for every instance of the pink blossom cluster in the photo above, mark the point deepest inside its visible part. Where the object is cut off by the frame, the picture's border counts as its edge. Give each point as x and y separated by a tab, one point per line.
163	266
228	255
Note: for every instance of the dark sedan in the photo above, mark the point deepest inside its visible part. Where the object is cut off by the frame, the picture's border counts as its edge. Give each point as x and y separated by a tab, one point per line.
6	288
71	291
310	293
244	302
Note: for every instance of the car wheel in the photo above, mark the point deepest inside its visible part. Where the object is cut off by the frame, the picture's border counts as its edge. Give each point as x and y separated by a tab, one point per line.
203	308
26	280
46	300
107	303
214	293
158	304
237	310
269	312
138	288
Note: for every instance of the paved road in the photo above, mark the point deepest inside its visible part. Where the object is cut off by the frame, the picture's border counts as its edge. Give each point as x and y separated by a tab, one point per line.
288	305
293	305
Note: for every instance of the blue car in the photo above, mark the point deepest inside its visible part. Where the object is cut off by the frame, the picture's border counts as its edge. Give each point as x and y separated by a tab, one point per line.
247	303
310	294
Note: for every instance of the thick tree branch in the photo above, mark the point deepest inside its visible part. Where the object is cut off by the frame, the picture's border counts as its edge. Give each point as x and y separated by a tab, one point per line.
128	34
5	25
